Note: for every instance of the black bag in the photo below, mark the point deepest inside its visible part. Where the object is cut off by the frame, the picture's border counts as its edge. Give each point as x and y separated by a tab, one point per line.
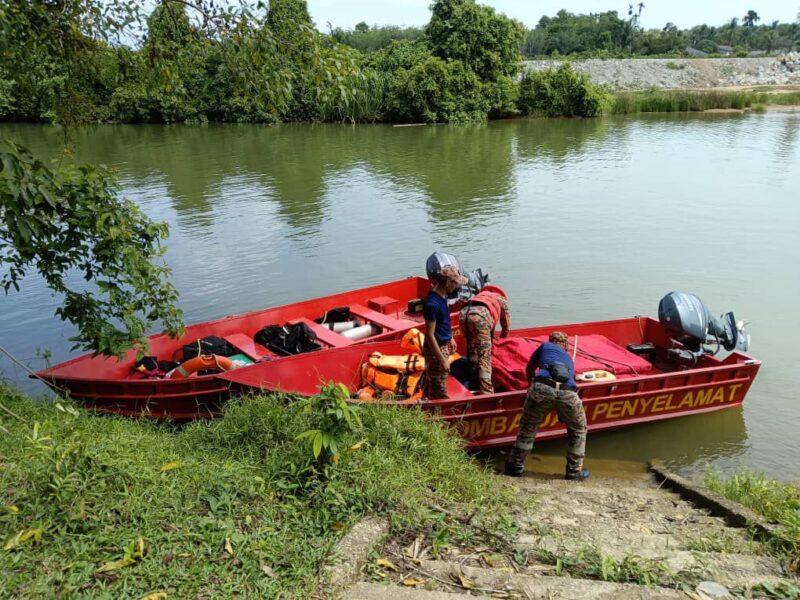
559	372
335	315
465	372
289	339
208	345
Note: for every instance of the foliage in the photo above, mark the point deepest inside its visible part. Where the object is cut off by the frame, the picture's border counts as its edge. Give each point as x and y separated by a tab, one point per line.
696	101
590	563
778	502
335	418
436	90
486	42
567	33
369	39
233	507
561	92
70	218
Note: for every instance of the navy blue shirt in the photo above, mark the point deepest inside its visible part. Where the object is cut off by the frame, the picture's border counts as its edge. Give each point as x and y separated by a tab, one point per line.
434	308
549	353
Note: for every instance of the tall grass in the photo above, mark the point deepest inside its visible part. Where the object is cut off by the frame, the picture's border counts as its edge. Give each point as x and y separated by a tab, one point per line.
695	101
93	505
776	501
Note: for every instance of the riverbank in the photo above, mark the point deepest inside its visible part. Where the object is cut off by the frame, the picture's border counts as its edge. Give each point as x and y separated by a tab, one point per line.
682	73
95	505
235	507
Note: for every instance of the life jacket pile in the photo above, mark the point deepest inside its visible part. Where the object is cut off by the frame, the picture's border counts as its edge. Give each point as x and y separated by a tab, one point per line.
395	375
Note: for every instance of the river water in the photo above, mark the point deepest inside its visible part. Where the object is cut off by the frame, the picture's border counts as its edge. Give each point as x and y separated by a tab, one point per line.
577	219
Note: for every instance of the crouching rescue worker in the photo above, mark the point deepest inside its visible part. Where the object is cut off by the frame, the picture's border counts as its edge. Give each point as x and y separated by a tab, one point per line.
551	373
439	344
478	320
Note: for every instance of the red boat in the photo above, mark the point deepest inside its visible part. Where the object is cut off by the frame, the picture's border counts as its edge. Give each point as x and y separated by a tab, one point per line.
648	385
115	386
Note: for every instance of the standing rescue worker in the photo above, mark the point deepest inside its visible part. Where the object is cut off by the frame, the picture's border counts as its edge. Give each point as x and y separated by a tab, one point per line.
552	386
439	344
478	320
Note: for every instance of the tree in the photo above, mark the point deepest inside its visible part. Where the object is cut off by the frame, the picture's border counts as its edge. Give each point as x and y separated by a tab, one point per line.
750	19
486	42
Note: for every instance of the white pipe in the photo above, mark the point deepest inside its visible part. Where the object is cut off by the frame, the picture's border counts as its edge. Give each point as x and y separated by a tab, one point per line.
359	333
342	326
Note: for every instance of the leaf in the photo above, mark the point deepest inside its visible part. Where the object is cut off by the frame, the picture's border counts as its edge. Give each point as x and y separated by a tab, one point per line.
267	570
357	446
465	581
116	564
645	530
411	582
229	547
10	508
386	564
23	536
317	448
175	464
155	596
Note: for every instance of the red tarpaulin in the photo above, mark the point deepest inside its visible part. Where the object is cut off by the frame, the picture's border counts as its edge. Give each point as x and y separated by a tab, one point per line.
595	352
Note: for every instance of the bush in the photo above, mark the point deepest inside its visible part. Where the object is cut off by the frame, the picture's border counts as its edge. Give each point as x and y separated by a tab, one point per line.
561	92
437	91
233	507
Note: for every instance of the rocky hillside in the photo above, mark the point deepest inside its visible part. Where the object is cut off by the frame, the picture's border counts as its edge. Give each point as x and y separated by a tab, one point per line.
677	73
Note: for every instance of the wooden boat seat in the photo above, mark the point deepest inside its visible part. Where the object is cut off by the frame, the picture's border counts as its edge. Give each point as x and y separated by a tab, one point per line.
385	321
324	335
247	346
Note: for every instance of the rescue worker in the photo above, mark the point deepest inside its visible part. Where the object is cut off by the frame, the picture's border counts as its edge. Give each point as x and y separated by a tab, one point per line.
478	320
439	344
551	373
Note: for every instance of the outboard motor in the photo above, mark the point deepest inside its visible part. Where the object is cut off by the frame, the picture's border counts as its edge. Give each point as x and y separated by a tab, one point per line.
690	322
475	279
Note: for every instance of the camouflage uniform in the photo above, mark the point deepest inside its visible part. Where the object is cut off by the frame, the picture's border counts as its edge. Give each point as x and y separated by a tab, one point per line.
435	375
540	401
477	325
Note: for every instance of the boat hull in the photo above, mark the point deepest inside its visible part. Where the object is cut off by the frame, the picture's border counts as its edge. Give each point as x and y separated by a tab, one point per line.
105	384
492	420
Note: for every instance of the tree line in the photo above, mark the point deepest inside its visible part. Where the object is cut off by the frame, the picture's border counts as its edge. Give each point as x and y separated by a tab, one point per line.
607	34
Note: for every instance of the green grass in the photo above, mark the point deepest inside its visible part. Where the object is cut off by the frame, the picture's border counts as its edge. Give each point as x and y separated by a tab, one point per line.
230	507
776	501
696	101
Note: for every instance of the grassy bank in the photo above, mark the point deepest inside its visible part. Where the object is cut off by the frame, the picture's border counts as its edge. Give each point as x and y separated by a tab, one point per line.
697	101
239	506
778	502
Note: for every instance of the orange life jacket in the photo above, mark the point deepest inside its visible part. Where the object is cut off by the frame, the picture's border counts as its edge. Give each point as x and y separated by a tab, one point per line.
491	301
402	384
408	363
413	341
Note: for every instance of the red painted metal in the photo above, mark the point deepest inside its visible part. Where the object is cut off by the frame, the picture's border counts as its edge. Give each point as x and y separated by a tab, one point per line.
487	421
109	385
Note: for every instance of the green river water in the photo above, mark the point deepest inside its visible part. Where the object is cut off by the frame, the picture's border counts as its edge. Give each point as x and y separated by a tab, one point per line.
578	219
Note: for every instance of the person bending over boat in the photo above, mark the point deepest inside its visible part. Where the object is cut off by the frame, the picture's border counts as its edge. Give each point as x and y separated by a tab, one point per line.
552	376
439	344
478	320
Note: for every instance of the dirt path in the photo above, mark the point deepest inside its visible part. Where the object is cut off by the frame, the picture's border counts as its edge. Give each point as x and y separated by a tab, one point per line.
604	538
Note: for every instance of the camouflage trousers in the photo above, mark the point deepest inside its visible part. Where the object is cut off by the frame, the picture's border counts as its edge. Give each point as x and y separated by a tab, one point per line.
435	374
540	401
477	325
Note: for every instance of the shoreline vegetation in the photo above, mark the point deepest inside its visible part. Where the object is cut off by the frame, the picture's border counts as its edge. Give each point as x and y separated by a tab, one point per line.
272	65
250	503
98	505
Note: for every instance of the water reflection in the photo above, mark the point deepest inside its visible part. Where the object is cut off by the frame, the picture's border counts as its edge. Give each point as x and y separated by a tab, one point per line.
577	219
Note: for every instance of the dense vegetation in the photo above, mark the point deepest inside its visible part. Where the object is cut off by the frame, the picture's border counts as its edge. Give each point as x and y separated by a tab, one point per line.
607	34
236	507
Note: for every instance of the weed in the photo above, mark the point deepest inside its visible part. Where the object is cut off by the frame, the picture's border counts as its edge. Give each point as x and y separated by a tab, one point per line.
675	66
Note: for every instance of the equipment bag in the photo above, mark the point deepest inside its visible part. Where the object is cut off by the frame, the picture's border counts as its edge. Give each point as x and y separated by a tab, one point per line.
335	315
559	372
205	346
290	339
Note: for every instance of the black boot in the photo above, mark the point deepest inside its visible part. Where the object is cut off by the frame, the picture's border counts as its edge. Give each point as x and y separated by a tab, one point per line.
514	469
577	475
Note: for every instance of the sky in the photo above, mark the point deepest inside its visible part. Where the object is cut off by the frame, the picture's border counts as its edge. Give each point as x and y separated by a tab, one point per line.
656	13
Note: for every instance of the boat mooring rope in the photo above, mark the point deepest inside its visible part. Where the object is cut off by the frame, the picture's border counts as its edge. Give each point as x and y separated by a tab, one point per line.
33	373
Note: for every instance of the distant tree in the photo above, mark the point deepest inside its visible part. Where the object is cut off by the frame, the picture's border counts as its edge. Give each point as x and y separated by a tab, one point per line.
750	19
362	27
732	26
486	41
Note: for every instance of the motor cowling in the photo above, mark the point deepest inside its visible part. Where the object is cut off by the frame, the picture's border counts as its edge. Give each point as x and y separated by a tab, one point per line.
476	279
690	322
